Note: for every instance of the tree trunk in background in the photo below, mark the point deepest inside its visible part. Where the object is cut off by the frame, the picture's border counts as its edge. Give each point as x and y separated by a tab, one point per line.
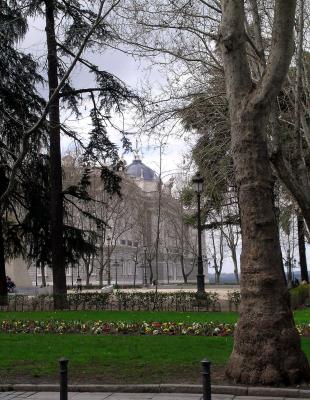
217	277
3	287
183	268
43	279
267	347
235	262
56	200
302	248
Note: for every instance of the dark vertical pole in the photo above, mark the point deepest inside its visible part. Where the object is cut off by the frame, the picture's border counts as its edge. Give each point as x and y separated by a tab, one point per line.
63	363
36	275
116	266
206	379
302	248
109	265
200	275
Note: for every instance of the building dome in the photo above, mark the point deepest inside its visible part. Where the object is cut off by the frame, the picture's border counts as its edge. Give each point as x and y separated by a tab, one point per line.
139	170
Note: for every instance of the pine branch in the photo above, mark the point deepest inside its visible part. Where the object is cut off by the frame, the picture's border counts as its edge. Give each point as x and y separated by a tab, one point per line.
29	132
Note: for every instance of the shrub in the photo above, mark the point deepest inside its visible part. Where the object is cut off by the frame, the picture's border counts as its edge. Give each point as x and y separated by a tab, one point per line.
234	298
299	295
136	301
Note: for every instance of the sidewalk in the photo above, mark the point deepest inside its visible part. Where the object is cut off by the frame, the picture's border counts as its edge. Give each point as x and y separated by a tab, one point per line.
129	396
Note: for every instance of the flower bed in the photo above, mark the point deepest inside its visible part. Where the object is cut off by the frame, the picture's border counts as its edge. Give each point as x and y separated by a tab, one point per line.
114	328
123	328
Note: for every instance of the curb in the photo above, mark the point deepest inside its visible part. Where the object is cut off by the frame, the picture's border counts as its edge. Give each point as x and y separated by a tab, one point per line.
163	388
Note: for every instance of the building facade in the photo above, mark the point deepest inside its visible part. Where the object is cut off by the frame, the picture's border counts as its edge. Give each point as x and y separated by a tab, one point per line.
145	238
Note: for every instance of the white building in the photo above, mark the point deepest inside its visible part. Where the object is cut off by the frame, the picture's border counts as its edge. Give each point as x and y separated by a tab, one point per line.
146	217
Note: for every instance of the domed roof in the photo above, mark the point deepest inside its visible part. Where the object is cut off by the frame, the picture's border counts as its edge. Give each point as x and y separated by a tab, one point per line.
139	170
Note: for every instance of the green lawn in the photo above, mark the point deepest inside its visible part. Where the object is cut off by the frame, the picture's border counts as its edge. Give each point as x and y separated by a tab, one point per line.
301	316
113	359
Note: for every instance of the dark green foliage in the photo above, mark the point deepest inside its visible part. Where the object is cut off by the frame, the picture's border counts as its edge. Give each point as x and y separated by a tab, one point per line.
207	114
299	296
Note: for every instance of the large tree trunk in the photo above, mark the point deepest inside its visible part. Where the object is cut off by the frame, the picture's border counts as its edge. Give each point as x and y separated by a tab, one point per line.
56	198
267	346
302	248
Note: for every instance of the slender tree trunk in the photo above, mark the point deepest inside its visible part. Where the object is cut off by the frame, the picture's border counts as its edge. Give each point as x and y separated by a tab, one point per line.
56	200
217	277
302	248
183	268
235	262
101	276
43	279
3	287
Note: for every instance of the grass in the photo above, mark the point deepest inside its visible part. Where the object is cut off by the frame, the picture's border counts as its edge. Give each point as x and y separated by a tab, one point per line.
129	316
113	359
301	316
135	359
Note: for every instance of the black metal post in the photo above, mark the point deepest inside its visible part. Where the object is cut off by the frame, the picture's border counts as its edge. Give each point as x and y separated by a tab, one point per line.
206	379
116	273
109	264
36	274
200	275
63	363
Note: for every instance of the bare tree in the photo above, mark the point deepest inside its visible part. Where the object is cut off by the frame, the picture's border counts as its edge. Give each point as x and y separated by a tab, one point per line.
263	343
217	252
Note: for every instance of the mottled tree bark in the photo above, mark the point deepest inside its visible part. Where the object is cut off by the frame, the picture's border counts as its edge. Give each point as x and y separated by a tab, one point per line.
267	345
56	198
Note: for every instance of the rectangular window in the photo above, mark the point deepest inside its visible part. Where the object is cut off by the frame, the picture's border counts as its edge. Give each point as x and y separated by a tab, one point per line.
123	242
129	242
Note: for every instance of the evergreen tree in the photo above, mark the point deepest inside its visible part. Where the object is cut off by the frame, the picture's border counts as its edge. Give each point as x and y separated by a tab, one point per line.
74	21
20	106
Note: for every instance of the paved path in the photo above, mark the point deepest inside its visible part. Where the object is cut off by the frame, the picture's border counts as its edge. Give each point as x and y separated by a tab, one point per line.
129	396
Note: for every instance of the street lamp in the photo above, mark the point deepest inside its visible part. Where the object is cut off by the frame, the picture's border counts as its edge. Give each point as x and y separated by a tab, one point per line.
197	182
116	264
144	275
108	261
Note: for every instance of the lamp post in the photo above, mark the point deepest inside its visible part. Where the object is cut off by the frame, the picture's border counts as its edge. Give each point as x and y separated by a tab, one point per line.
116	264
144	271
122	270
198	181
108	261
